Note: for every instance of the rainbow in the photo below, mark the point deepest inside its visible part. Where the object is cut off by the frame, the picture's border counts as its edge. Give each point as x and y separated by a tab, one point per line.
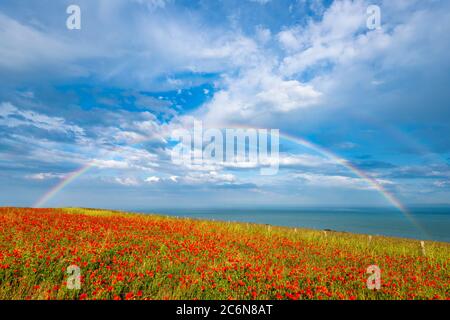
61	185
300	141
358	172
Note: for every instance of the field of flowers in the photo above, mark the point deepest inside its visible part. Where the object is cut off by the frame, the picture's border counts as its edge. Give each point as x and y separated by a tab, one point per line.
130	256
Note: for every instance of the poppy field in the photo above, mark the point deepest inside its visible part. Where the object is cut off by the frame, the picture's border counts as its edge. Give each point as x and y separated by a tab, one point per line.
124	256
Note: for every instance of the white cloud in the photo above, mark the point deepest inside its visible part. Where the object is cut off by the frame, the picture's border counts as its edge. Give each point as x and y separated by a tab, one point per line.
288	39
153	179
332	39
212	177
11	116
337	181
24	47
258	94
285	96
231	50
110	164
441	184
127	181
305	160
283	160
341	39
126	158
263	35
179	42
45	176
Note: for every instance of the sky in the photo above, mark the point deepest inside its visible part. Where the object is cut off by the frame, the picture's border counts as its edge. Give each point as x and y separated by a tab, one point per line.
87	116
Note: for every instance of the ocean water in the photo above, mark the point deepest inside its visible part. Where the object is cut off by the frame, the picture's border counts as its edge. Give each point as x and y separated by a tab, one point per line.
424	223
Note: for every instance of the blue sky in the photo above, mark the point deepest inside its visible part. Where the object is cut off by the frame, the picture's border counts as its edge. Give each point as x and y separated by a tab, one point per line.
112	93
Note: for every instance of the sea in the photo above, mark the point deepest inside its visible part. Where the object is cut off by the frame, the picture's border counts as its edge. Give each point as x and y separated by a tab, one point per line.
420	223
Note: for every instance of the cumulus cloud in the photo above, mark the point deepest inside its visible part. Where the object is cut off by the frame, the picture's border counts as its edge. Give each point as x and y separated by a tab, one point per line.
333	38
153	179
258	94
288	39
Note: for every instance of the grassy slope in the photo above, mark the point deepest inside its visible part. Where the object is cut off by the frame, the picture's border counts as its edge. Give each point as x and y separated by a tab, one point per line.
149	256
